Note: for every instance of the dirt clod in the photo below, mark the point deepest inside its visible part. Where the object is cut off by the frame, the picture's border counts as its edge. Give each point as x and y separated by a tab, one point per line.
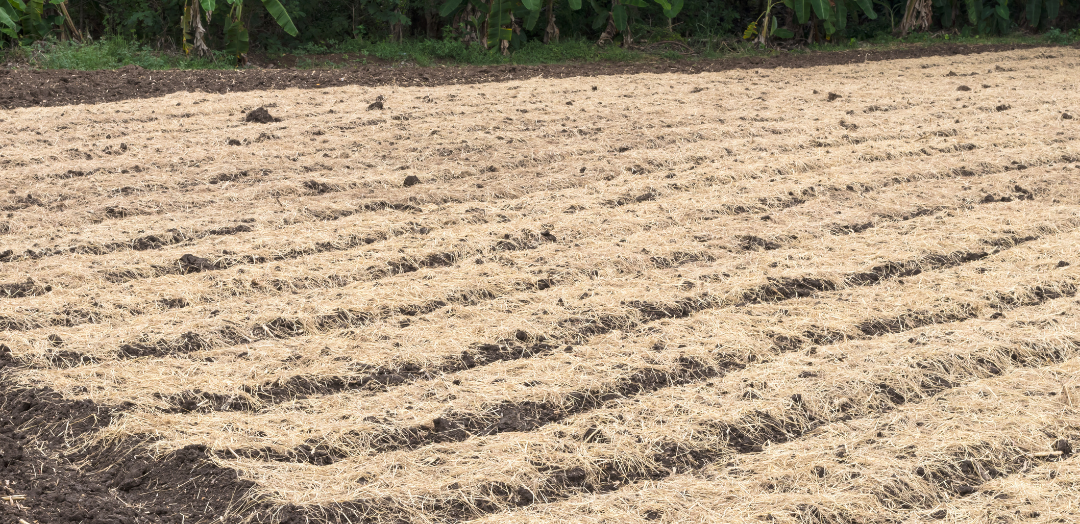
192	264
1003	107
234	142
1063	446
1066	116
261	116
963	88
834	96
963	489
411	180
29	288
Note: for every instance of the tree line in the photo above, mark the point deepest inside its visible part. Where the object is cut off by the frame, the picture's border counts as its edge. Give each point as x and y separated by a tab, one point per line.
236	26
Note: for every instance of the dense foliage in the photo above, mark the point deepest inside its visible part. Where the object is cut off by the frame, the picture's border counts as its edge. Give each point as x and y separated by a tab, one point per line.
506	25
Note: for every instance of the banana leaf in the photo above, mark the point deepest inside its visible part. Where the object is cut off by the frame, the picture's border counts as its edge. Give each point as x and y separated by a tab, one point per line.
530	21
618	12
780	32
499	22
236	38
801	8
1034	11
7	24
973	7
448	7
868	8
673	11
1051	8
574	4
281	16
821	8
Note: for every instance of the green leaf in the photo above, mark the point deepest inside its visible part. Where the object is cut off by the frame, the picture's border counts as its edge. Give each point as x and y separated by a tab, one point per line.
281	16
665	5
841	14
868	8
236	36
802	10
499	22
1034	10
600	20
1002	12
673	11
533	5
618	12
636	3
1052	7
973	11
19	6
574	4
821	8
208	5
481	6
448	7
7	21
829	27
781	32
530	22
750	31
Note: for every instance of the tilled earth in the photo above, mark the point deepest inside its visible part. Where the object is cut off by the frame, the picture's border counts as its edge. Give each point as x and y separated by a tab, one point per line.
819	288
28	88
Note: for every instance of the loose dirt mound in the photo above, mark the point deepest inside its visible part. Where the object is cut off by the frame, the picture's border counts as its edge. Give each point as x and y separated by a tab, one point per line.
635	298
260	116
53	88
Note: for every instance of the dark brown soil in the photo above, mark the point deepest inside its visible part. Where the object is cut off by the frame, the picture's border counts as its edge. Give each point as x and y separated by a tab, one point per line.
261	116
114	486
25	88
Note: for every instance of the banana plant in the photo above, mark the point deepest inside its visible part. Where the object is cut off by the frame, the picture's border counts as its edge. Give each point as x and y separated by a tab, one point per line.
834	15
1042	11
768	26
496	20
618	18
236	35
991	18
29	19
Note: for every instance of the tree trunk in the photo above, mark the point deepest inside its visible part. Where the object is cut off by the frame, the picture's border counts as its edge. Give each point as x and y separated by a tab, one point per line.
552	31
918	15
609	32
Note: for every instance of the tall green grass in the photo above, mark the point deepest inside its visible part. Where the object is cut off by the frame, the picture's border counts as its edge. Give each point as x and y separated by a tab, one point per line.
113	53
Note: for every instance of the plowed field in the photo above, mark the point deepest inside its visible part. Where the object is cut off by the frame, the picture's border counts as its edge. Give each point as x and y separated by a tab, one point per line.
833	294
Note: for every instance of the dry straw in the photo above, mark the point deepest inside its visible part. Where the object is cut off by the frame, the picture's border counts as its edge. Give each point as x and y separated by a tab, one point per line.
715	297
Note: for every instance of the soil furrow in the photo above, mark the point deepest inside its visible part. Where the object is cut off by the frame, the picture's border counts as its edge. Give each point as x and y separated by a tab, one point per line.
524	416
717	440
966	448
578	328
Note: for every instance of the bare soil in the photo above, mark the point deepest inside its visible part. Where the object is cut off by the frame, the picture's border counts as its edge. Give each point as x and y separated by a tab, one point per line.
787	293
27	88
